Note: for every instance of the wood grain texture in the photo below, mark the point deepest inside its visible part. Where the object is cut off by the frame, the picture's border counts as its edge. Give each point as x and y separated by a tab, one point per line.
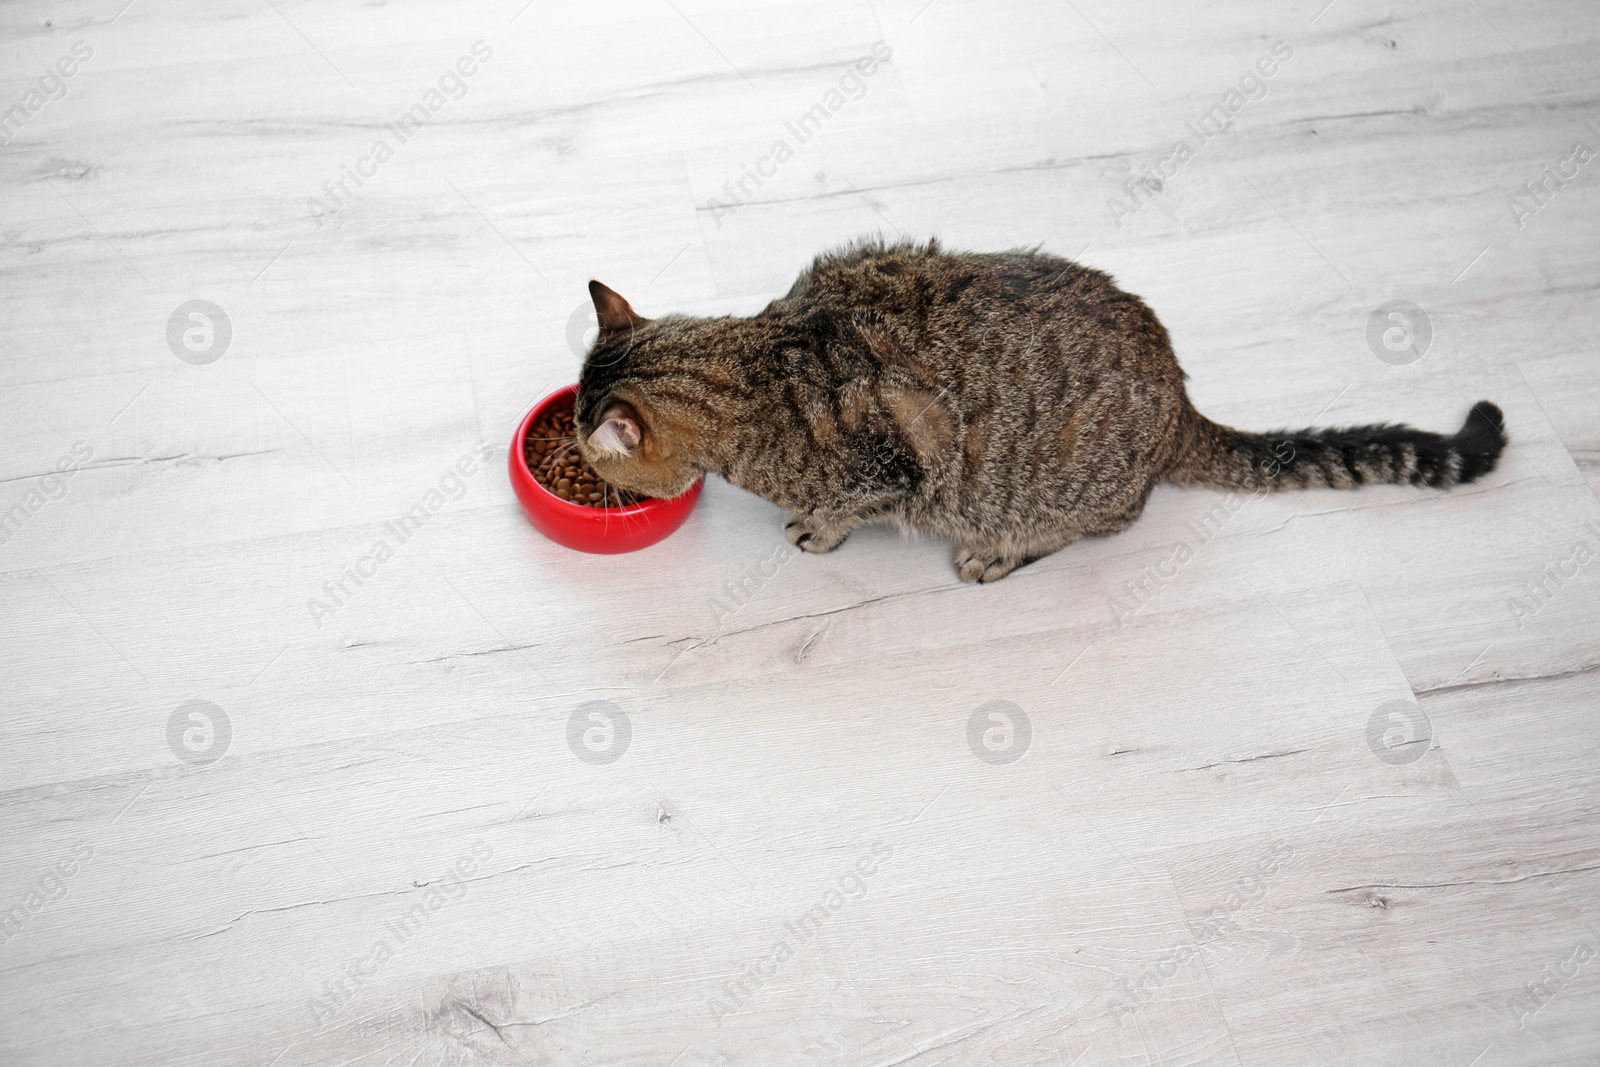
1309	778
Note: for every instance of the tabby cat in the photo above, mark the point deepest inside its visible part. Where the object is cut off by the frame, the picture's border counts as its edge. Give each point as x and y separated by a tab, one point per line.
1013	401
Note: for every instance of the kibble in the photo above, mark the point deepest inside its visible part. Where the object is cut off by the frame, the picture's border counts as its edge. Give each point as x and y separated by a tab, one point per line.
552	454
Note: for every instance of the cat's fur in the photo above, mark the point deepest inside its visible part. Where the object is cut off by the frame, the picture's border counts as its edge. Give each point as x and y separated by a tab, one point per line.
1014	402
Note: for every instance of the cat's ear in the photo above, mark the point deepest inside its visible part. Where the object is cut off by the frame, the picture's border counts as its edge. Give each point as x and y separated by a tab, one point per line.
619	432
612	312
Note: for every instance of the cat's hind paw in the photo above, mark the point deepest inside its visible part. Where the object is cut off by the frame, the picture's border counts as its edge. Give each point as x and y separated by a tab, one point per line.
985	565
811	534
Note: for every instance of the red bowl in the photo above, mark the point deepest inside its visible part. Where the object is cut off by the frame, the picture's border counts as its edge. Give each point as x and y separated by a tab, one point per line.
590	529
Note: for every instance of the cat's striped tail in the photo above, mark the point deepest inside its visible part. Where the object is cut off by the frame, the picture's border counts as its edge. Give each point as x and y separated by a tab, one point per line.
1221	458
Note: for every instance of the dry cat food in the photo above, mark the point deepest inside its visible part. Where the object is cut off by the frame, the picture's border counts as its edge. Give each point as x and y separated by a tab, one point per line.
552	454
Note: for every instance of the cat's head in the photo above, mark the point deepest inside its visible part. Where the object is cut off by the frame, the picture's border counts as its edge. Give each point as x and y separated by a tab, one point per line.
633	436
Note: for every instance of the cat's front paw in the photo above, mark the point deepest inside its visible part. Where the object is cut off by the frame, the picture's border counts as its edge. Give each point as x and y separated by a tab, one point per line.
984	565
811	534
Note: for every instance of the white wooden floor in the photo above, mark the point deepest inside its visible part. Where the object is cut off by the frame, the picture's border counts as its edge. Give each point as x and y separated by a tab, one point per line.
1310	779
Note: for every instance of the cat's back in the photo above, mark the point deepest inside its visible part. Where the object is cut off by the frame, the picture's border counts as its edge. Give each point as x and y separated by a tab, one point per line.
1024	313
914	277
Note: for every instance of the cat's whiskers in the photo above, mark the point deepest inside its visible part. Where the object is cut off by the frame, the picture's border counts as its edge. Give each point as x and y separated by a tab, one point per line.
562	451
